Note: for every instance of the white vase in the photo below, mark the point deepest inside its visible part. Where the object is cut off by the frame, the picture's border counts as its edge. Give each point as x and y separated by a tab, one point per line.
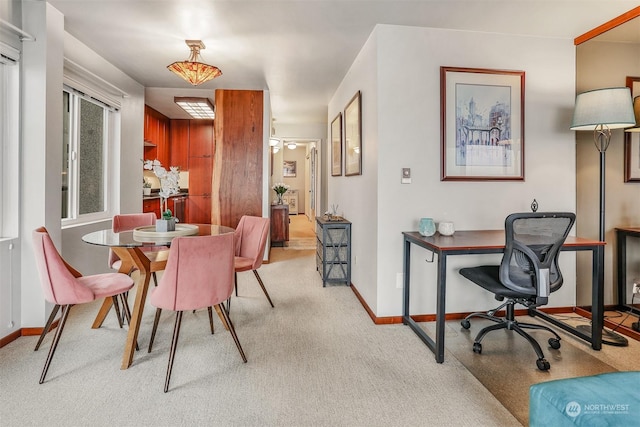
164	225
146	191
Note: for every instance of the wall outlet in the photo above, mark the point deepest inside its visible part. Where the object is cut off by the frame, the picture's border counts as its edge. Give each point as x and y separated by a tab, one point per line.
399	280
636	287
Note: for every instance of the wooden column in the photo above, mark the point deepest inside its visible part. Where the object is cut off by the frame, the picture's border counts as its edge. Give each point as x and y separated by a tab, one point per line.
237	168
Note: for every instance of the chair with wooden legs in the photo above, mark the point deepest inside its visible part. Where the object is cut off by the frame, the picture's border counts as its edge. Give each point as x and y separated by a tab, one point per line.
199	274
65	287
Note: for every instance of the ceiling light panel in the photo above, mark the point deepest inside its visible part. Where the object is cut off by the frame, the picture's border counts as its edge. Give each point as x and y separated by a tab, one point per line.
198	108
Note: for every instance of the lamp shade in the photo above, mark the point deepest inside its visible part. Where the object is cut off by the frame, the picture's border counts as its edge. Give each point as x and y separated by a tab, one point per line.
636	112
611	107
192	70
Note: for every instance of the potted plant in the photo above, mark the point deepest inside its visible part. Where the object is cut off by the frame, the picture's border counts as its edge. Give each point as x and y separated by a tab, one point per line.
169	185
146	187
280	189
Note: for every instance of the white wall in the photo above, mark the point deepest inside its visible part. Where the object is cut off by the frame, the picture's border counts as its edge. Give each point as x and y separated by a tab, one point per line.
398	72
41	146
600	65
41	154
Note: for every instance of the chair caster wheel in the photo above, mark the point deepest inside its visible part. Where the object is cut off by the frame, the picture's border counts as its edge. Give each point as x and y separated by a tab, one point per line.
477	347
543	365
465	324
554	343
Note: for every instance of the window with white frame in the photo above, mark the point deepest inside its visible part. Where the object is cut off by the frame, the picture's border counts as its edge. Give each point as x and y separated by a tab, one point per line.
88	129
9	143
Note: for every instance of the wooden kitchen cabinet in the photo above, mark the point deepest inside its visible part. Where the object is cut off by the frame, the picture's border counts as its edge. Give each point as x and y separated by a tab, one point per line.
179	144
151	205
200	174
201	148
200	138
199	209
156	131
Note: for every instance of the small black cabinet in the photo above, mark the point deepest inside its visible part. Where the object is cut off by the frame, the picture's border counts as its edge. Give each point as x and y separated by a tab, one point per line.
333	250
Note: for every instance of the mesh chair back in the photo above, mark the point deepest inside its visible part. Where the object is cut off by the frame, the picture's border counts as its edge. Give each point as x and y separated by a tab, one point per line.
533	242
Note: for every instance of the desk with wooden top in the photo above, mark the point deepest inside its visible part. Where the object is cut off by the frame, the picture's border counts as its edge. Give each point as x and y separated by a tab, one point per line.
622	234
493	242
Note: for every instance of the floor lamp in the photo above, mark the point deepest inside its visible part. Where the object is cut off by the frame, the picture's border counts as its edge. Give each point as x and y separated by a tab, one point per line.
600	111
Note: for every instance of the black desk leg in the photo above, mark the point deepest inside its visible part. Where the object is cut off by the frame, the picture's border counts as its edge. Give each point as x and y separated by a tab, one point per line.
406	318
621	243
440	306
405	291
597	298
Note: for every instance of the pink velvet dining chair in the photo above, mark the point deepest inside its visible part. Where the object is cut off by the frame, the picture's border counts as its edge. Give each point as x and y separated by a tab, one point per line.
122	222
250	241
65	286
199	274
127	222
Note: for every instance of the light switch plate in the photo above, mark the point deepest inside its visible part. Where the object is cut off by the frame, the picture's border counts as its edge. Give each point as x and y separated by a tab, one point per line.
406	176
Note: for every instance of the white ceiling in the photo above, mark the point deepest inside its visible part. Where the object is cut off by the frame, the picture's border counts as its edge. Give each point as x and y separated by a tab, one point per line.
297	49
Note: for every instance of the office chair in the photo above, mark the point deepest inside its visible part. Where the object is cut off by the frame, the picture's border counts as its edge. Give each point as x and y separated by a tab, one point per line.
528	273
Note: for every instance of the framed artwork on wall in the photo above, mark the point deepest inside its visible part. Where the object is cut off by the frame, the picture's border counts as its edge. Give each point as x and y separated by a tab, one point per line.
482	124
632	139
336	146
353	137
289	169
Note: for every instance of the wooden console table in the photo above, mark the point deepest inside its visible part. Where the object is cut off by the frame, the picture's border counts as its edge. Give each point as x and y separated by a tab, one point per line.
279	225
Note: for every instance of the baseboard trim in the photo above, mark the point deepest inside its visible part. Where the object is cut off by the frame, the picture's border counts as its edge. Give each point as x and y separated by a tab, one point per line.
25	332
389	320
10	338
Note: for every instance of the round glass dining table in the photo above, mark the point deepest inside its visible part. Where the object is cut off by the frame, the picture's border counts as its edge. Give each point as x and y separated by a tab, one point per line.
130	246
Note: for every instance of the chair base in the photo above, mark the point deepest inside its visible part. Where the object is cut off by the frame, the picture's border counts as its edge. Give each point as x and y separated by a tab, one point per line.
509	322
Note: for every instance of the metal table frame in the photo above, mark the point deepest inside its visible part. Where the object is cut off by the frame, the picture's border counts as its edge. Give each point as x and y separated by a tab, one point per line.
492	242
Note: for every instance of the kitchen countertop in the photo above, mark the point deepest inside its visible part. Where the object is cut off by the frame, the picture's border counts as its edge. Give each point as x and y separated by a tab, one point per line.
155	195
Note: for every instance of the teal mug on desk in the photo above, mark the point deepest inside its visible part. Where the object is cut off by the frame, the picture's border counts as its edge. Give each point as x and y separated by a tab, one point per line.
427	227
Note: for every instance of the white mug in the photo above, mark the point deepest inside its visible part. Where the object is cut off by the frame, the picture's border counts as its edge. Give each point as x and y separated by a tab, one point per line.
446	228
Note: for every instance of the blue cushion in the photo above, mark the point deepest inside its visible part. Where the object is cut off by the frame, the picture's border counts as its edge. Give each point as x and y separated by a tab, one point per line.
611	399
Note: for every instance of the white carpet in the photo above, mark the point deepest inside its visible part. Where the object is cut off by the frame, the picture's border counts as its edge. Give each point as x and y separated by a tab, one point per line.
316	359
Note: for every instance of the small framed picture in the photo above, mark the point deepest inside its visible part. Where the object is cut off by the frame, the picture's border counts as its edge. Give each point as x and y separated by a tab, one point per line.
632	139
482	116
353	137
336	146
289	169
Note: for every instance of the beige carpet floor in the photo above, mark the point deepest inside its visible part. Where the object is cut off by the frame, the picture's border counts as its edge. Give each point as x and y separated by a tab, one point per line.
507	365
316	359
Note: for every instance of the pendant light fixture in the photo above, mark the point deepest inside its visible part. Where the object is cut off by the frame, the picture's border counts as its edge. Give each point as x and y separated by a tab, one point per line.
192	70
